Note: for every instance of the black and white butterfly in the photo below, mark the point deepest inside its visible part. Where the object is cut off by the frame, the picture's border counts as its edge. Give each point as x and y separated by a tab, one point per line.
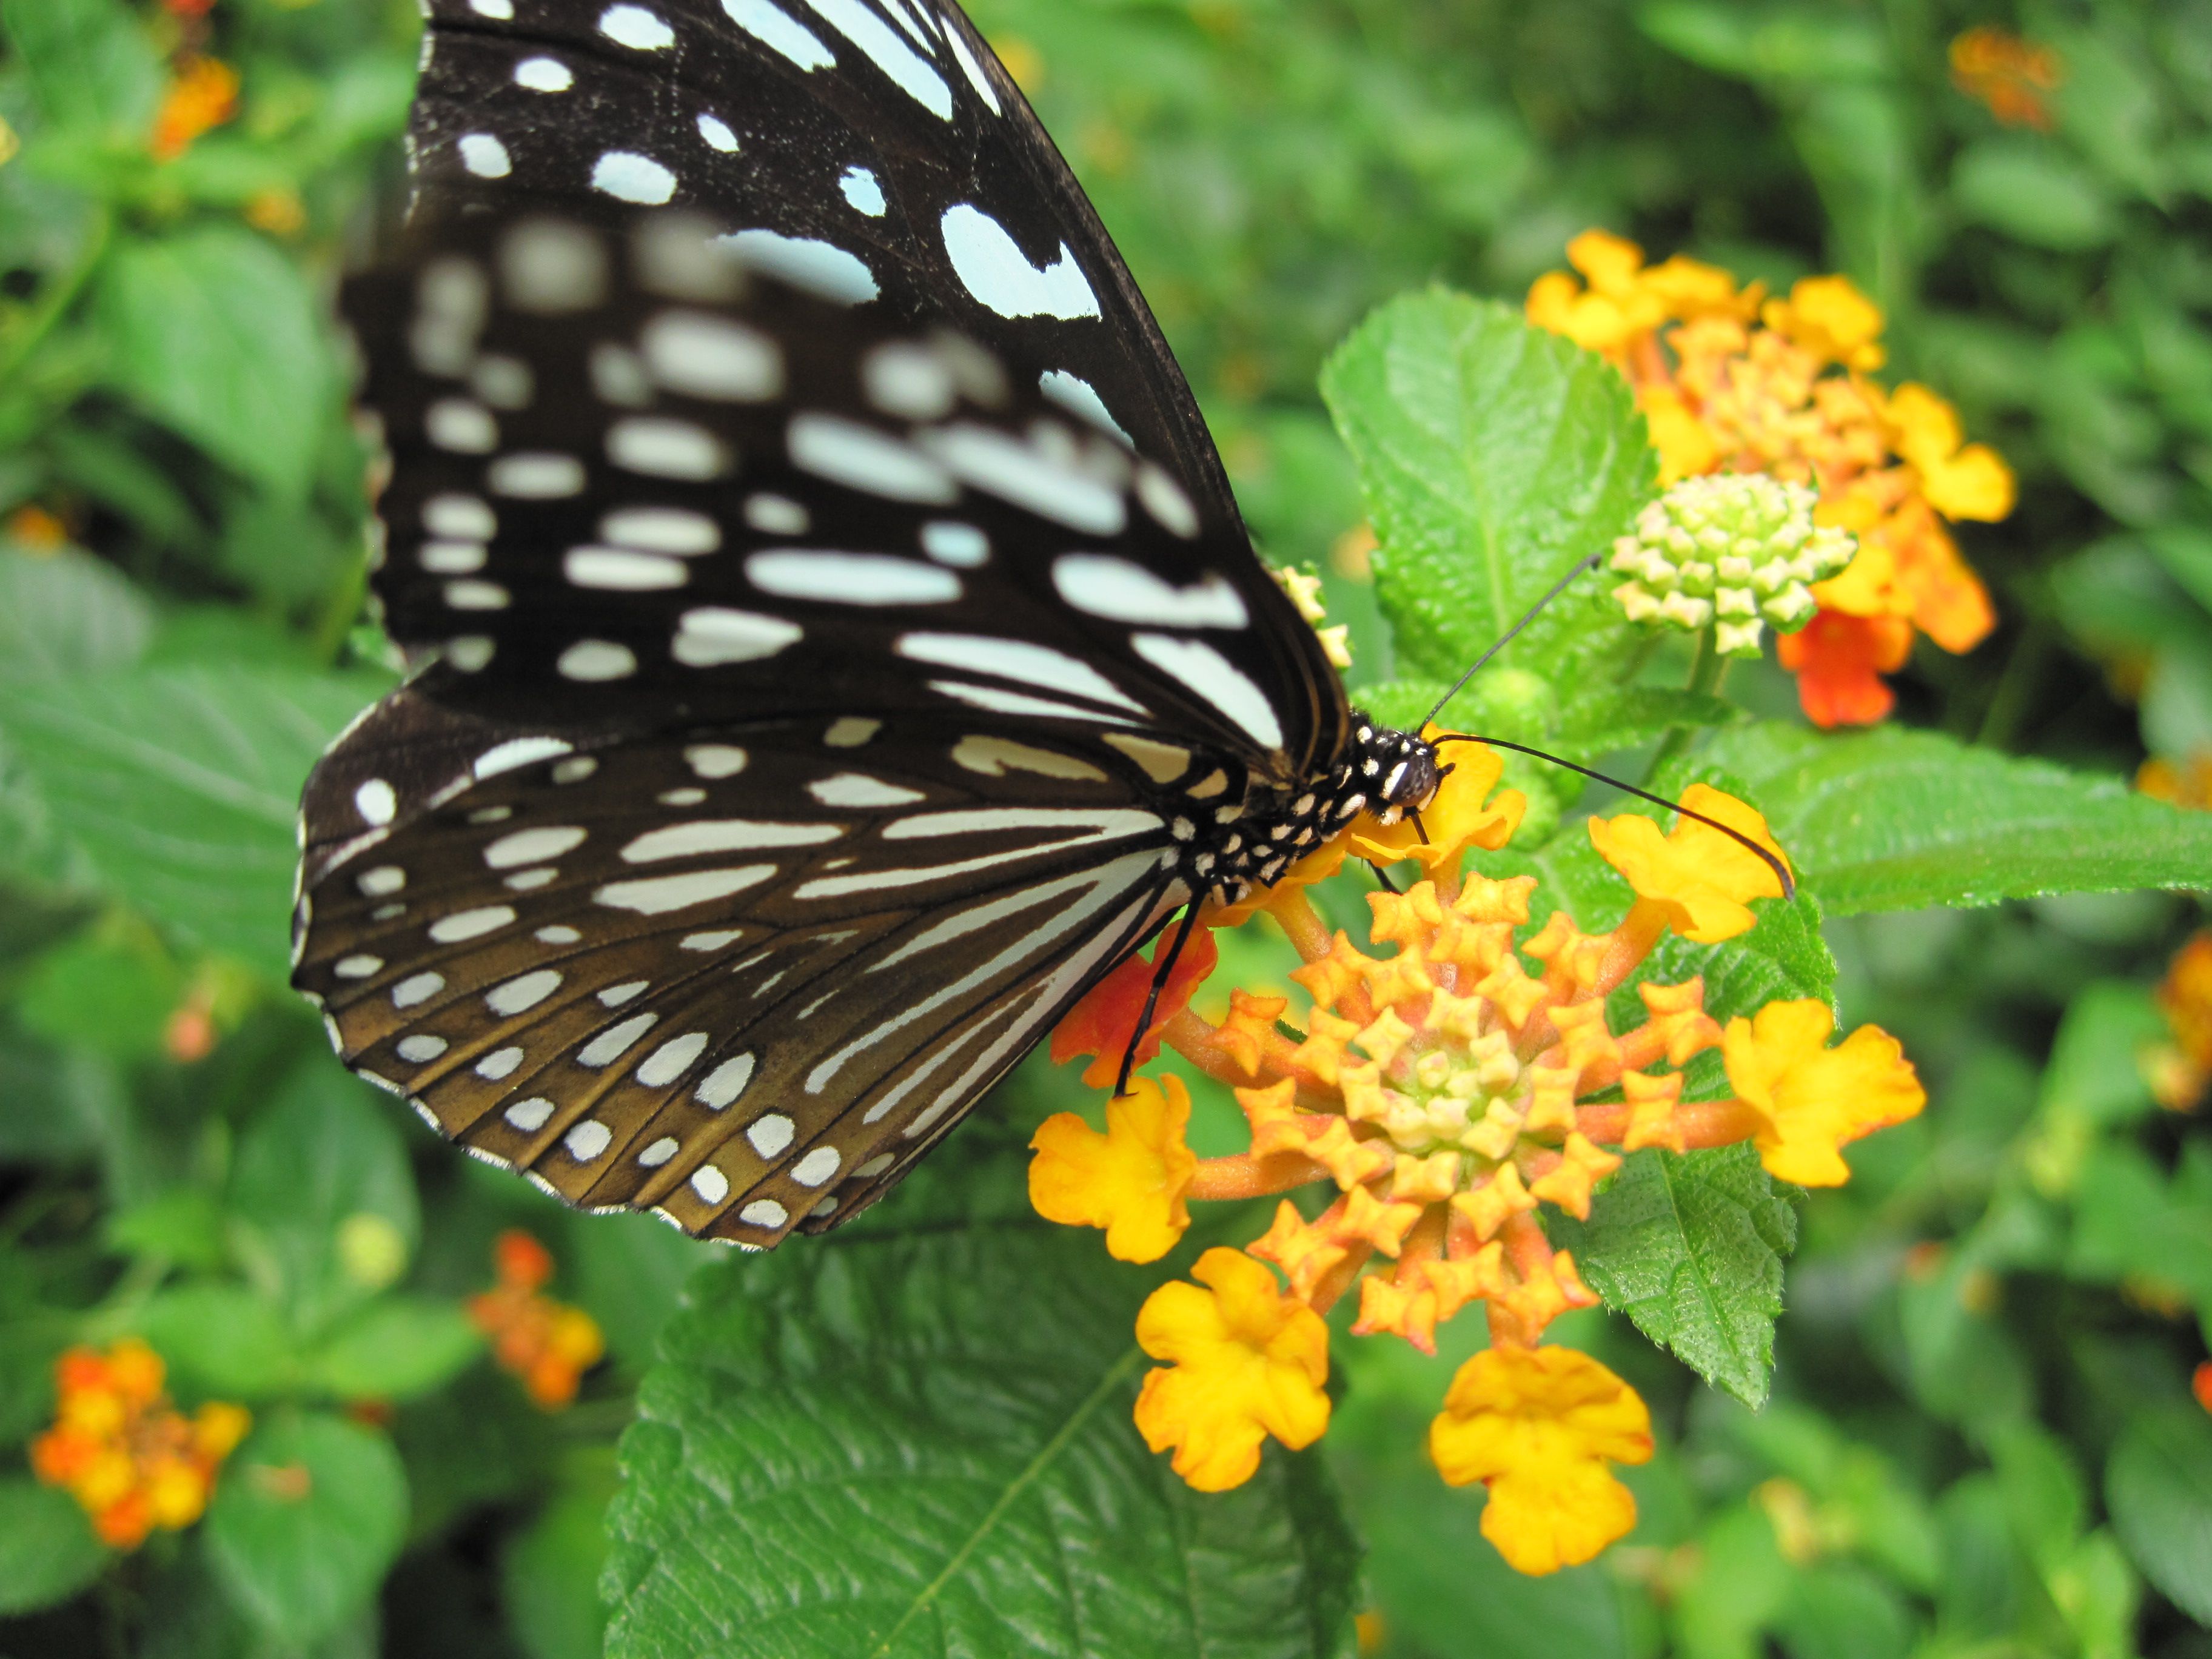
835	644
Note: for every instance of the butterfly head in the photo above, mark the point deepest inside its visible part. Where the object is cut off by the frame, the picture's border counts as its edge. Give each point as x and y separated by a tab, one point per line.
1398	770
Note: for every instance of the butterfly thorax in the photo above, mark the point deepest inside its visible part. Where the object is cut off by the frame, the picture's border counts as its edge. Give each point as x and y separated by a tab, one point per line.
1382	771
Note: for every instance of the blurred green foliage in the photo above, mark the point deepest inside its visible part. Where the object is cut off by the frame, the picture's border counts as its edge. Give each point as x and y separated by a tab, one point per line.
1981	1440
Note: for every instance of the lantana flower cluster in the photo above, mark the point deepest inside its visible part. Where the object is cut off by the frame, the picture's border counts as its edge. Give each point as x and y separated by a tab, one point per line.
129	1457
1734	552
1444	1094
1730	380
548	1344
2009	76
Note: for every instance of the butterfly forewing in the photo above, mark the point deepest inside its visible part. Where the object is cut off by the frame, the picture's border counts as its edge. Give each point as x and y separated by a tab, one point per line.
835	643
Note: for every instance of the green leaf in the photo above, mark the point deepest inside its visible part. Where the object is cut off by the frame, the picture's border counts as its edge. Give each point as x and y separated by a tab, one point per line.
2095	1071
2035	193
309	1514
1493	455
1690	1249
1898	819
47	1549
396	1348
1844	1612
215	333
88	62
2158	1488
550	1576
178	787
916	1443
221	1340
324	1157
66	613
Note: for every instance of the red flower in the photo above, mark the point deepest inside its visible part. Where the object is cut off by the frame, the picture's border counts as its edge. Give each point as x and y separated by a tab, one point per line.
1839	661
1102	1023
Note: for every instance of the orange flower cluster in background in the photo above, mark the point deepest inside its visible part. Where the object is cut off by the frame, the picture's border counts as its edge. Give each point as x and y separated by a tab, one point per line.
202	94
123	1452
2186	784
1730	380
2009	76
1446	1093
547	1344
2181	1072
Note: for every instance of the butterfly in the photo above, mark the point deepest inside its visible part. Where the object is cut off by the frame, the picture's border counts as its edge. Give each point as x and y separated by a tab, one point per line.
833	643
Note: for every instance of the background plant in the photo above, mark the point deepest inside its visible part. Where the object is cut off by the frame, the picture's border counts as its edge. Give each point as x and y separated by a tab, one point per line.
1981	1438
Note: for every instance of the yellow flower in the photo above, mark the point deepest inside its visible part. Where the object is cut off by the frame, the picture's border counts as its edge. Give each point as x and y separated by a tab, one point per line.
1702	881
1246	1362
1538	1426
1960	480
1813	1099
1686	448
1830	318
1131	1181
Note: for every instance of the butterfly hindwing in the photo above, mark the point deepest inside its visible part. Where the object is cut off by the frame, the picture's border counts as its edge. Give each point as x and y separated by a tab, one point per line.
722	975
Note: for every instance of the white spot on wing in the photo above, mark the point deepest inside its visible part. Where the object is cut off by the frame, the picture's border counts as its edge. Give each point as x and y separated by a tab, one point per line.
517	751
1122	590
961	545
715	634
635	27
684	841
716	132
858	789
521	995
910	73
529	1116
866	578
705	356
376	801
594	661
671	1059
1078	396
821	268
535	477
773	29
463	518
662	530
629	177
764	1212
724	1082
471	924
1015	471
544	75
770	1134
1215	680
816	1167
1017	660
714	760
486	156
656	895
587	1139
618	570
993	268
864	191
973	70
616	1041
665	448
857	456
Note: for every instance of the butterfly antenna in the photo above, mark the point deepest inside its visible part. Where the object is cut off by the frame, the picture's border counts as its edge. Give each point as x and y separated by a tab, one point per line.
1382	877
1161	969
1506	638
1773	862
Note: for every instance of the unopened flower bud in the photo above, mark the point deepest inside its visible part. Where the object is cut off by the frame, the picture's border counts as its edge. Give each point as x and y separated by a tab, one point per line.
1734	550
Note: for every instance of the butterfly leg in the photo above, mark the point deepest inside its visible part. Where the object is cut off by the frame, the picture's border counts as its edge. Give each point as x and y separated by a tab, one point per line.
1382	877
1164	967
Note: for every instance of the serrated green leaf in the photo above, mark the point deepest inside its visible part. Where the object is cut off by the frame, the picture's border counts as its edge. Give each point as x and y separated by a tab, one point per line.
308	1515
178	787
1897	819
1493	455
1690	1249
216	334
47	1549
916	1443
2158	1488
66	613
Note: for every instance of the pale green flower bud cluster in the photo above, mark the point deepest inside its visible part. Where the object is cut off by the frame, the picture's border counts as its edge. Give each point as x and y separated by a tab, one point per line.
1734	549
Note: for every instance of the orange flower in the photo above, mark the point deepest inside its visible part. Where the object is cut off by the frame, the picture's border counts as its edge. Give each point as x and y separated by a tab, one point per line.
1246	1362
2200	1384
1812	1099
202	94
1839	661
1539	1427
2179	1075
35	530
547	1344
2007	75
1102	1023
130	1459
1701	881
1789	395
1130	1181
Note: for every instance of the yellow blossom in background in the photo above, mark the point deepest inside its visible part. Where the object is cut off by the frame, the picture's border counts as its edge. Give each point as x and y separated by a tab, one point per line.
202	94
1699	881
1811	1099
129	1457
1540	1427
1731	380
1245	1363
2188	784
2180	1075
277	212
1130	1181
35	530
2006	75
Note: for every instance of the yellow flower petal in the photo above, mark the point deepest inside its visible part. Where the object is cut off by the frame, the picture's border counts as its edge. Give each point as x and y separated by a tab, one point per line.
1702	880
1130	1181
1814	1099
1460	816
1246	1362
1687	446
1829	317
1975	484
1538	1427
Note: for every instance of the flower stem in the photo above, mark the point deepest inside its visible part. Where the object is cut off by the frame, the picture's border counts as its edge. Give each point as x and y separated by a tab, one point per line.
1707	671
